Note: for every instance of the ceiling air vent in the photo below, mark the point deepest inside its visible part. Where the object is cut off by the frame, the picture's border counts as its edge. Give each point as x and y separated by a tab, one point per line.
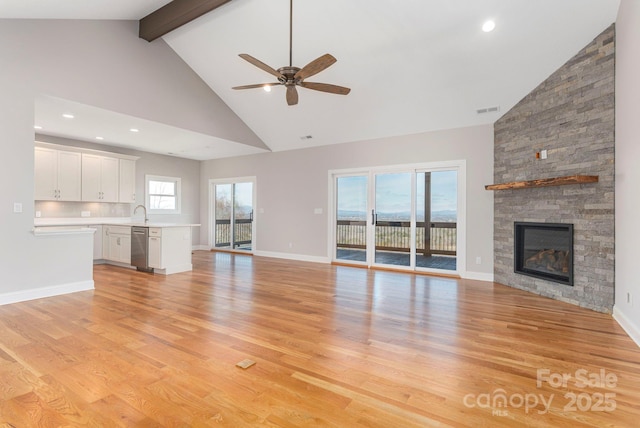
488	110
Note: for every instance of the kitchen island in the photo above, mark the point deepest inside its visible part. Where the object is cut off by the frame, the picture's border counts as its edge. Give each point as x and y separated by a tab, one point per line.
168	249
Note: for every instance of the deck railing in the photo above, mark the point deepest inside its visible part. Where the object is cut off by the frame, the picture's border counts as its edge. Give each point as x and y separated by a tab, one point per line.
242	234
395	236
390	235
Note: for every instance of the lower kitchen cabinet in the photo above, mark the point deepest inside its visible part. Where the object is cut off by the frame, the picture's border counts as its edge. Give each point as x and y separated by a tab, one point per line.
97	242
170	249
116	244
155	252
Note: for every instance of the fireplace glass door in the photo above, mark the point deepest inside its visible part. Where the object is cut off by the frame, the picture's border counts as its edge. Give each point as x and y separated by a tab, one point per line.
544	250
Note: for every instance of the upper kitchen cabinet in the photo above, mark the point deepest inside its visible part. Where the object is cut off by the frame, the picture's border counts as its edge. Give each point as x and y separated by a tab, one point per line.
65	173
127	188
100	178
57	175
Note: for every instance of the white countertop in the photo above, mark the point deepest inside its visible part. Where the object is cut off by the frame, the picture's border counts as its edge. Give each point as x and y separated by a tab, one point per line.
114	221
153	224
62	230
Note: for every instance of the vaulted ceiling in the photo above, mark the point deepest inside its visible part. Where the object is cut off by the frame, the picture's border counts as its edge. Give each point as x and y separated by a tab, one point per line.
412	66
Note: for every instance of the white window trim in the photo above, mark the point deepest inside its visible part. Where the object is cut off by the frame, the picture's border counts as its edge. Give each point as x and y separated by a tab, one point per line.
176	180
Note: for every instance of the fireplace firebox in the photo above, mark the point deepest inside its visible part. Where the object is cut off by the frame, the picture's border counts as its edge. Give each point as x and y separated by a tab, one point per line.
544	250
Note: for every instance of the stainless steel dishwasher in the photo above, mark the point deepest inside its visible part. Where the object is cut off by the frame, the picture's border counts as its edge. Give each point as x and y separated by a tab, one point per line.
140	248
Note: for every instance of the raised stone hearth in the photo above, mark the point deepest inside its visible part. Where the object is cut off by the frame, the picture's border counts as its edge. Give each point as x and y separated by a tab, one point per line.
571	115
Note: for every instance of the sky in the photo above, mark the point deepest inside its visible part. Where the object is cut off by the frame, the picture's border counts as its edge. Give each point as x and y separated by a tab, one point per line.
393	192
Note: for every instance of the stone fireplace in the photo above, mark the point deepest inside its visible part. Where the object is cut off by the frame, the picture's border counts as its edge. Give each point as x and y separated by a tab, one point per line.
571	116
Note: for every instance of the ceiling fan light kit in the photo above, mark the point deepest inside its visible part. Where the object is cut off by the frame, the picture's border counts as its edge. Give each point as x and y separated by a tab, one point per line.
291	76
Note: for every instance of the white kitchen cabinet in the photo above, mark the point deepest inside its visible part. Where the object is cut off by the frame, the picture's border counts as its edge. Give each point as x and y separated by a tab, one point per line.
97	242
170	249
99	178
57	175
127	187
116	244
155	252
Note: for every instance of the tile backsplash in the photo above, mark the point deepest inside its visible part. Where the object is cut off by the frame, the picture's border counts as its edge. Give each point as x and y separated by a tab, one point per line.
54	209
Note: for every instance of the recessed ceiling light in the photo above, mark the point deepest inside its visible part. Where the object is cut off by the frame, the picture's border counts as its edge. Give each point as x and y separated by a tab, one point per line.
37	127
134	130
68	116
488	26
99	138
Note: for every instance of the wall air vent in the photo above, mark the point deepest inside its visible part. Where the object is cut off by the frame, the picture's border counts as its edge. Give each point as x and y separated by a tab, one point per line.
488	110
306	137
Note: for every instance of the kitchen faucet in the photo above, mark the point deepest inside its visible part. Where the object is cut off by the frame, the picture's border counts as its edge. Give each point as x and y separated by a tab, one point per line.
146	219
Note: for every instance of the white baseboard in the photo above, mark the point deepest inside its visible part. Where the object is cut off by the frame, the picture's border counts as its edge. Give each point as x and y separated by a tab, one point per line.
627	325
39	293
290	256
174	269
478	276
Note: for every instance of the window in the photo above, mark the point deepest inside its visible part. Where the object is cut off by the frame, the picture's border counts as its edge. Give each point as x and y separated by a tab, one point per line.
163	194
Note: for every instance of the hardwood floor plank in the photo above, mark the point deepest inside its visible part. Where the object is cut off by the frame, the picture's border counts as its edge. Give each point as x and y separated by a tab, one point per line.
334	346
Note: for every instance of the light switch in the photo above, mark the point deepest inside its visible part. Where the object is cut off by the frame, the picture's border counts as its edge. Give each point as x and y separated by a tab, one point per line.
17	207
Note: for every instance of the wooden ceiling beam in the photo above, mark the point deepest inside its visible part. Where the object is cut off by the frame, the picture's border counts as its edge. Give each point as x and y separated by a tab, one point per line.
174	15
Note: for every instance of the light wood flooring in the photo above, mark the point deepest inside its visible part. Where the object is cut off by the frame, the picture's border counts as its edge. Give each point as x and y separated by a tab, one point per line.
333	346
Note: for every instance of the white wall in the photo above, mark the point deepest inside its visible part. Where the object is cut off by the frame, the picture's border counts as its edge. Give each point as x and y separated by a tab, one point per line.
100	63
627	168
291	184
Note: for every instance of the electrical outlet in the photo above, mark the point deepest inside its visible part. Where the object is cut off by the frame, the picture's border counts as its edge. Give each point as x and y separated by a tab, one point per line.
17	207
543	154
478	260
85	214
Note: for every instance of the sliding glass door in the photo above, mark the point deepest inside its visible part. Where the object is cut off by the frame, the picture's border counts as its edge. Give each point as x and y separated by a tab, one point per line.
351	218
436	220
232	206
405	218
392	219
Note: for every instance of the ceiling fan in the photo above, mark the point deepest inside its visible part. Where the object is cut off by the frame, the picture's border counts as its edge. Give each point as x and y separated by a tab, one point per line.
291	76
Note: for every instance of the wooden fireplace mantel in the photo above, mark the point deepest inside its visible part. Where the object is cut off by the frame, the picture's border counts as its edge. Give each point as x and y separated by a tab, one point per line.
544	182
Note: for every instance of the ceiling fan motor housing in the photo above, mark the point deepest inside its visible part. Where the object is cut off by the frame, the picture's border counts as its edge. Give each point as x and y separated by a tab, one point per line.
288	75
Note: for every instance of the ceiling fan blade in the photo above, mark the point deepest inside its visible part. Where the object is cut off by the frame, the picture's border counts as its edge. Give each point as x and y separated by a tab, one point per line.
257	85
292	95
315	66
261	65
325	87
